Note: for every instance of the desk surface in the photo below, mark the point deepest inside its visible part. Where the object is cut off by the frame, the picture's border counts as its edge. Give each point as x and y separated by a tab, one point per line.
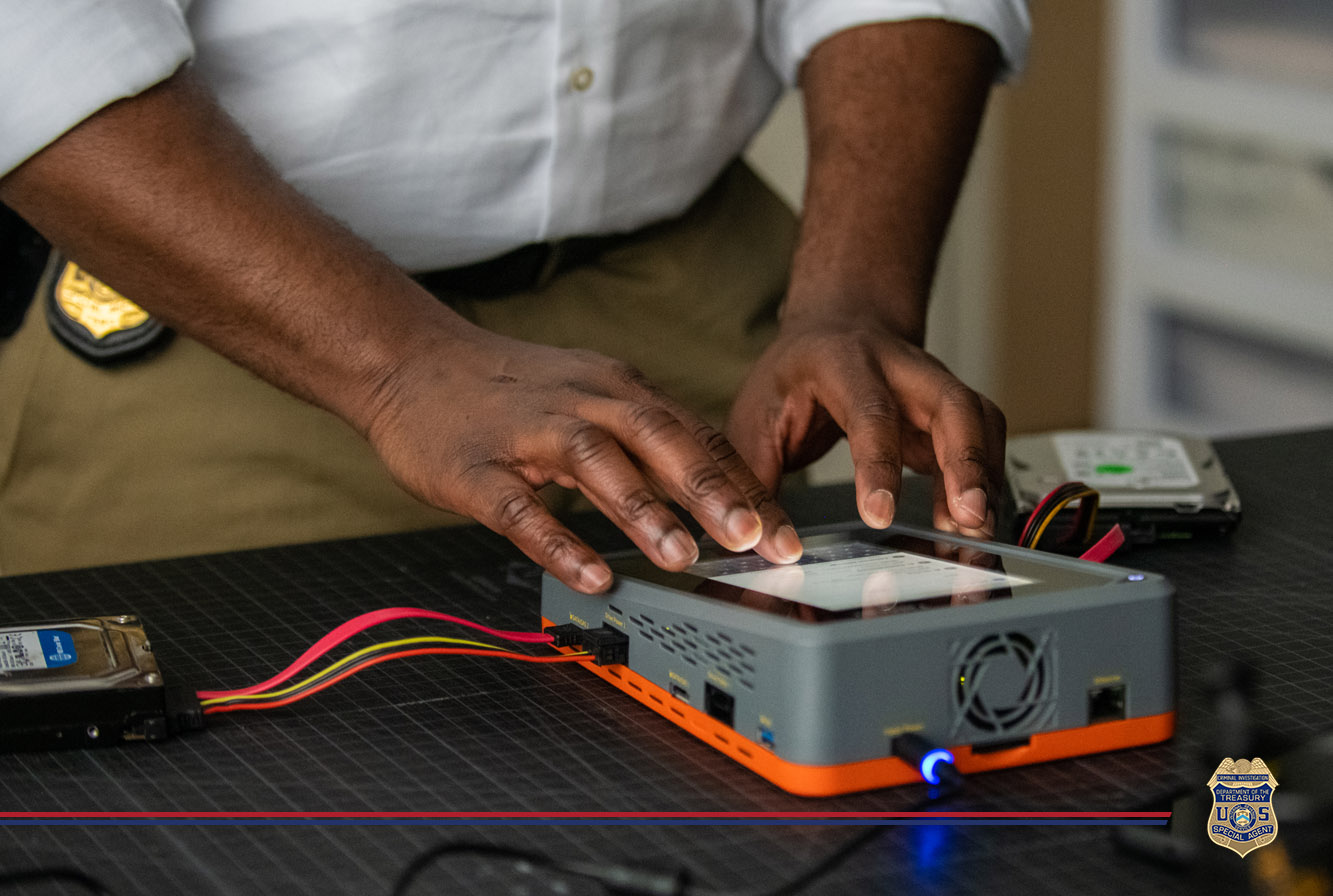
457	734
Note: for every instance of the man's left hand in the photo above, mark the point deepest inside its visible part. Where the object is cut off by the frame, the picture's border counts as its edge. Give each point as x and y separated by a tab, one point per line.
898	406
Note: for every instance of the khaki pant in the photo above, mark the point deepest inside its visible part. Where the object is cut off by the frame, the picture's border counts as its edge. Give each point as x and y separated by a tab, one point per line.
186	453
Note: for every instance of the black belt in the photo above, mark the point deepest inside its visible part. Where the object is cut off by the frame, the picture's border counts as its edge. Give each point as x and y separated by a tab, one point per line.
525	268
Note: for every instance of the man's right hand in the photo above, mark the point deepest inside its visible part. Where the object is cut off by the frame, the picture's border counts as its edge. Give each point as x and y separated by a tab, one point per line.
477	423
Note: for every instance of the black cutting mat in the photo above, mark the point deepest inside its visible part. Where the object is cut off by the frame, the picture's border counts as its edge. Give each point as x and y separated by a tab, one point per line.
472	735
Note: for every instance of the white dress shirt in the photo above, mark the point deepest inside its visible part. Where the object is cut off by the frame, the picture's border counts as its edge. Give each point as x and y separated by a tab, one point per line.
449	132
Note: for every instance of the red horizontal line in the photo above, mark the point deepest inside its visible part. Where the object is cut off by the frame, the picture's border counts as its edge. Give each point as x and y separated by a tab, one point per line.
572	815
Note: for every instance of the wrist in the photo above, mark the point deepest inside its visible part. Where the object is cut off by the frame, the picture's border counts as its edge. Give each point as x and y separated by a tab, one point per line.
869	302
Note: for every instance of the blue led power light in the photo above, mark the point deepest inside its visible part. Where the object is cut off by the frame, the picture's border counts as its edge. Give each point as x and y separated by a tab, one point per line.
932	759
928	759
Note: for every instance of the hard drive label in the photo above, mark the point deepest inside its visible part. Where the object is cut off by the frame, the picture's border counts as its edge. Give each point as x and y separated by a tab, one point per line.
1125	461
44	649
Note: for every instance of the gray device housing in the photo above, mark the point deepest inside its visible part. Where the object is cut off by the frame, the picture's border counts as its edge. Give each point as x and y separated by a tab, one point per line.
983	674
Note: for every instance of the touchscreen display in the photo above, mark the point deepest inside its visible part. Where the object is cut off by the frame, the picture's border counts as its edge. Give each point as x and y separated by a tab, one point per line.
864	573
856	575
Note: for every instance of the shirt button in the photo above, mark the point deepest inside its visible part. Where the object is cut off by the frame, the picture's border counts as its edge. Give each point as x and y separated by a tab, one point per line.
581	79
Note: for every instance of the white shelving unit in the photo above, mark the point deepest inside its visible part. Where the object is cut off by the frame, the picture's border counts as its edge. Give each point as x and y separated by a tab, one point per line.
1218	300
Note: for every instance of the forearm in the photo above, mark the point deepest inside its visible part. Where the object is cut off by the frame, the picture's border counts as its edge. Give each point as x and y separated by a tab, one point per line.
164	198
892	112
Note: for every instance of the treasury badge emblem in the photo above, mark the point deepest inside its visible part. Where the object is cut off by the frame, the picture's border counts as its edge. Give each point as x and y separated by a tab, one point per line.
1242	818
97	322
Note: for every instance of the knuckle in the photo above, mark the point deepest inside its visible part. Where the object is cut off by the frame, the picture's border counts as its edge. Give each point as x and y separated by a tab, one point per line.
636	505
627	374
874	419
717	445
765	504
884	465
518	510
955	393
555	548
974	457
585	443
649	421
704	479
877	411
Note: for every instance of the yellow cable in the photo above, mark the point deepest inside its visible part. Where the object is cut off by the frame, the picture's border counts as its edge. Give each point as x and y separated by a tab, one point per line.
347	660
1055	511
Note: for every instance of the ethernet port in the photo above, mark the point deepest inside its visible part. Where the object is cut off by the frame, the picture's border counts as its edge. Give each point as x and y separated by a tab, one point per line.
1106	704
719	704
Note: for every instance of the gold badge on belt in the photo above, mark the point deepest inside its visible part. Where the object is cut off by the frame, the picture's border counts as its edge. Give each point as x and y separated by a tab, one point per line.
97	322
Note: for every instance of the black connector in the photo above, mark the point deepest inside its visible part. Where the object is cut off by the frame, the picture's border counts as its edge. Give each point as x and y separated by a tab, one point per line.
567	635
608	646
183	712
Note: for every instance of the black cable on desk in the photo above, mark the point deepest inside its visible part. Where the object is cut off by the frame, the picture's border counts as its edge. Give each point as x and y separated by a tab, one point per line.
39	875
622	880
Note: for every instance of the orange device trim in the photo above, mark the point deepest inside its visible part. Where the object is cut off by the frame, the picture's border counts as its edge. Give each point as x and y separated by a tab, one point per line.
887	771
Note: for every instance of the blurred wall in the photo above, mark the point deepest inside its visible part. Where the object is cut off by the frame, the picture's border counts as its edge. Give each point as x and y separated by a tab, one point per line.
1049	207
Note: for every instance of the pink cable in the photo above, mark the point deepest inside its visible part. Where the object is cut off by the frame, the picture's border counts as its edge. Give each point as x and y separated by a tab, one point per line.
1107	545
359	624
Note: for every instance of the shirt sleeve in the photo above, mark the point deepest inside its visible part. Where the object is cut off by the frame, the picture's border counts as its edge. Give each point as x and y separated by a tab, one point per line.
791	28
65	59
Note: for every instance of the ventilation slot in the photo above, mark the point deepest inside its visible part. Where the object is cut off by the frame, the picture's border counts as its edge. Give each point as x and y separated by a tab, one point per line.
1004	683
712	650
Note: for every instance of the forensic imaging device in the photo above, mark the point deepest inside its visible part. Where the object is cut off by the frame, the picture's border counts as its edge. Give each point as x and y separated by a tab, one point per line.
1154	485
827	675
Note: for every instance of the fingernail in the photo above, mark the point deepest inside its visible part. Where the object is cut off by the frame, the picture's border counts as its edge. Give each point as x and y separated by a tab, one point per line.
678	549
879	508
593	577
972	503
743	529
788	544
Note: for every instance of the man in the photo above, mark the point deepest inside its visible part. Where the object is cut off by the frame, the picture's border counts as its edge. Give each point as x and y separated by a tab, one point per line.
444	136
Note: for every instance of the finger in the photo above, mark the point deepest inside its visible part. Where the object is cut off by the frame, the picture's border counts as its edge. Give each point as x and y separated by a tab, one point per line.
944	520
997	430
508	505
596	463
861	403
678	451
965	449
941	518
779	542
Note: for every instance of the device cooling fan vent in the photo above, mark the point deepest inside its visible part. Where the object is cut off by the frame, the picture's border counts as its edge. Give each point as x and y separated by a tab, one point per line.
707	650
1004	683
